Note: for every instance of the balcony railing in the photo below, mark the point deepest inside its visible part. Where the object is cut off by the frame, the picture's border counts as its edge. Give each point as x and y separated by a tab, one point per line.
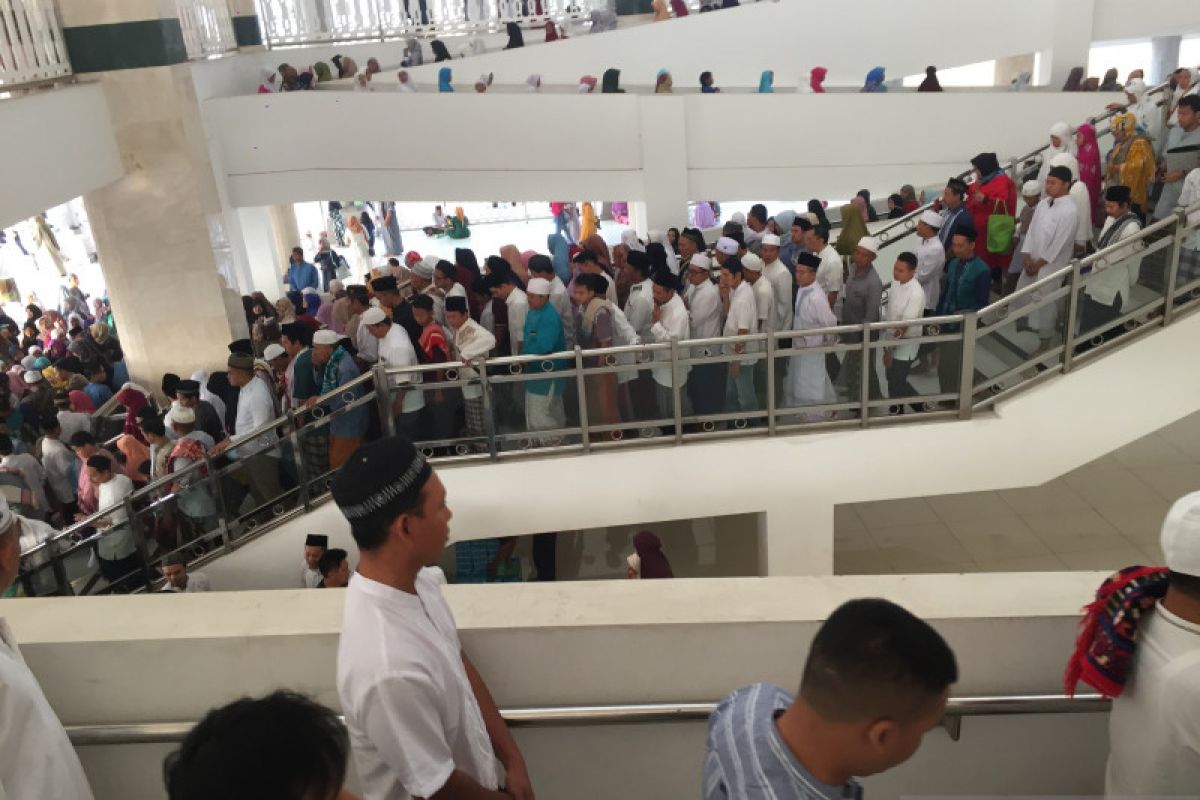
207	27
208	509
31	43
644	713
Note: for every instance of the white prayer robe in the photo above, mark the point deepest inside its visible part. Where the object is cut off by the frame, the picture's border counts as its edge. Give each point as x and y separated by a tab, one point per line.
1051	237
931	264
1114	275
672	322
562	304
781	279
807	379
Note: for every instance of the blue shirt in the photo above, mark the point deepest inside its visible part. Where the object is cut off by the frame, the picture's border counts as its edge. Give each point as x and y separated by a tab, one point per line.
301	275
953	222
98	393
353	423
544	334
748	759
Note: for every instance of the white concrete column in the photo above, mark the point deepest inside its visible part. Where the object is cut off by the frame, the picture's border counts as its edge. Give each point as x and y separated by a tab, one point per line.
1071	21
664	200
796	544
1164	58
264	262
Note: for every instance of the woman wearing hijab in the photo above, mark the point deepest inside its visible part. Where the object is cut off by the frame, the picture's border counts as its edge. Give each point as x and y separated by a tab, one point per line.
663	83
412	53
660	10
515	37
816	207
560	257
1111	82
1131	161
765	81
611	82
268	81
360	249
874	82
603	20
991	192
81	403
533	83
551	31
895	206
440	53
322	72
1090	171
444	80
620	212
133	398
854	227
648	561
1021	82
1074	80
816	81
590	225
703	216
679	8
458	225
706	83
629	238
931	82
587	84
909	195
1062	140
865	194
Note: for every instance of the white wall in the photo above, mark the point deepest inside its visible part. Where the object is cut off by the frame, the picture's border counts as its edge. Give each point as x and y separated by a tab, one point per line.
1116	19
157	658
661	150
59	144
1036	436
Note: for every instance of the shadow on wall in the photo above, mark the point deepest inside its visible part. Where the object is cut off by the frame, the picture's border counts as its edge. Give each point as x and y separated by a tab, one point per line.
710	547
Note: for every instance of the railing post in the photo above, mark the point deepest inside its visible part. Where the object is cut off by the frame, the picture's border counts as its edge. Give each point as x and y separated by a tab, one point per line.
298	459
1173	268
1074	281
771	344
489	410
864	374
139	538
676	391
581	387
383	399
966	375
223	512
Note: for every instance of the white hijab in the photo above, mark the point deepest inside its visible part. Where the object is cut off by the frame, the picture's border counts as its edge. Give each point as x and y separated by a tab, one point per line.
672	259
629	238
406	84
268	79
1065	134
533	83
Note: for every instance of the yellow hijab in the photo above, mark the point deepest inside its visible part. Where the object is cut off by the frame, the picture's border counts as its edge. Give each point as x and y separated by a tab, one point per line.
853	229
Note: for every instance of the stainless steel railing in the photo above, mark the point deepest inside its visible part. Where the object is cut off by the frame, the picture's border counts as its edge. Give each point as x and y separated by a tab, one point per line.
629	714
211	514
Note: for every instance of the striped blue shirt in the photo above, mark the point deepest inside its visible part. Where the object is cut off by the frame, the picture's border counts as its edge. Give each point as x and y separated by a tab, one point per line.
747	759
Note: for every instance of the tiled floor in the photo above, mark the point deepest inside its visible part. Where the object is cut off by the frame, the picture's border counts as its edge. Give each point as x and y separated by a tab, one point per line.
1103	515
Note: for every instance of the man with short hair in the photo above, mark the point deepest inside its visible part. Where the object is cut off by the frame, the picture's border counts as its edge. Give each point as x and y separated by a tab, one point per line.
179	580
905	303
861	303
639	305
831	275
38	760
756	224
1108	287
781	279
669	321
796	243
968	287
741	319
472	343
1047	249
59	463
1180	138
517	303
300	273
296	342
282	746
315	546
706	382
97	388
335	569
258	454
72	422
421	719
876	680
1161	698
333	368
116	550
955	216
396	350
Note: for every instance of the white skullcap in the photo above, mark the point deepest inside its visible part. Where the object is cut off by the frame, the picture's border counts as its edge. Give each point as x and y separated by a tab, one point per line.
272	352
869	243
700	261
727	246
32	376
373	316
538	286
424	267
770	240
179	415
656	236
931	218
752	262
1031	189
326	336
309	290
1181	535
739	218
35	349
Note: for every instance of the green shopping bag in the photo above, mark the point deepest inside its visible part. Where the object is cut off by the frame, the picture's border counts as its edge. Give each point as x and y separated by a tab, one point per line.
1001	228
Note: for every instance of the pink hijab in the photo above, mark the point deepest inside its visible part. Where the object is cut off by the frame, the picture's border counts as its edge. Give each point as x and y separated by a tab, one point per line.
816	79
1089	170
81	403
861	205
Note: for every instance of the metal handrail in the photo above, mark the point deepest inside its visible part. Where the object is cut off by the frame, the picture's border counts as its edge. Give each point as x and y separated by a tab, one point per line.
909	221
624	714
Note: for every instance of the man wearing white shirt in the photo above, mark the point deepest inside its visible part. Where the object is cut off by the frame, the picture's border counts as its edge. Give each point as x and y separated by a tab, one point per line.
472	342
1107	289
807	377
669	321
116	550
37	760
931	268
29	469
639	306
59	462
179	580
422	722
517	304
1047	249
256	407
706	384
781	280
905	303
366	345
1083	203
741	318
396	350
541	266
831	274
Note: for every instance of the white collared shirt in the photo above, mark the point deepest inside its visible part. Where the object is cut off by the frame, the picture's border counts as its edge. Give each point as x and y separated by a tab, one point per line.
831	275
764	303
704	309
639	308
672	322
412	716
781	279
472	342
742	316
906	301
255	408
396	350
931	263
518	308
